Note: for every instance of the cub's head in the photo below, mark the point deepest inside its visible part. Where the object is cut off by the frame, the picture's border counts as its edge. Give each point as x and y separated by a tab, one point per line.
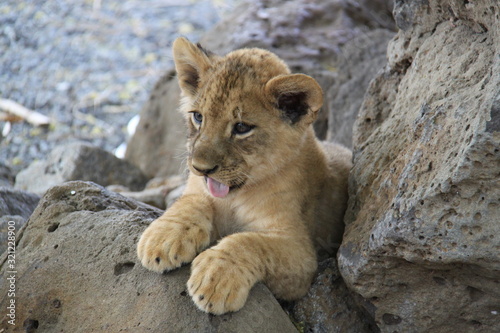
247	115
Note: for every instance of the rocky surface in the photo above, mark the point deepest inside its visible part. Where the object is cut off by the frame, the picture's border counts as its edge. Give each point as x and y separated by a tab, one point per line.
79	161
159	192
77	272
15	209
342	44
6	176
422	236
362	58
329	307
15	202
159	143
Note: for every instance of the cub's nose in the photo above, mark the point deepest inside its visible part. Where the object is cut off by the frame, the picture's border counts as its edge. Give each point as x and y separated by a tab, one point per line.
204	169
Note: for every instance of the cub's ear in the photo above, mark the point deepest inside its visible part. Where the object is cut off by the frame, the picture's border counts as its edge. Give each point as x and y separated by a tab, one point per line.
191	62
298	96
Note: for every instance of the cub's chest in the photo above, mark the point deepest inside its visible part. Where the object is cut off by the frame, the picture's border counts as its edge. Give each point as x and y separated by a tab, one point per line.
226	220
232	216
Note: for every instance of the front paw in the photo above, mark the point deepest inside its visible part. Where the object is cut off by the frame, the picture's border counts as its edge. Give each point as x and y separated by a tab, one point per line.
218	284
166	245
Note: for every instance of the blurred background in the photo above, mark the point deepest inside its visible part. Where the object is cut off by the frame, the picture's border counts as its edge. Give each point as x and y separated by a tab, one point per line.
88	65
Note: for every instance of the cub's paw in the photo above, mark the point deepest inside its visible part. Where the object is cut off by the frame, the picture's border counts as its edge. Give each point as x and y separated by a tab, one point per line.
218	284
166	245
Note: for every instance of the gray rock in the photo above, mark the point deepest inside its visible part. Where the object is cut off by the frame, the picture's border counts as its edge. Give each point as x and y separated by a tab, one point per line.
151	196
6	176
422	234
329	307
78	272
15	208
156	192
362	58
79	161
16	202
309	35
159	142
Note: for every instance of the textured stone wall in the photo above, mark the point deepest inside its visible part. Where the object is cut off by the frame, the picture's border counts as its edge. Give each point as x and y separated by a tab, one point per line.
422	242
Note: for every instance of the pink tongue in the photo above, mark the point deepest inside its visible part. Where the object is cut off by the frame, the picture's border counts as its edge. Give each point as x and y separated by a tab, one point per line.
217	189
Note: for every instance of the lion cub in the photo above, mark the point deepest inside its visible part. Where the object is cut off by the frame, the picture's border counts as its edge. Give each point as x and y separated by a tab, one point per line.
260	183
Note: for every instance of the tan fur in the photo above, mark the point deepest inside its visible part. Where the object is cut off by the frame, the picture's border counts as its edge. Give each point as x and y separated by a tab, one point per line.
289	191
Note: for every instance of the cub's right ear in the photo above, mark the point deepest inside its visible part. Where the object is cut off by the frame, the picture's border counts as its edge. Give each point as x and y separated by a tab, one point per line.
298	96
191	63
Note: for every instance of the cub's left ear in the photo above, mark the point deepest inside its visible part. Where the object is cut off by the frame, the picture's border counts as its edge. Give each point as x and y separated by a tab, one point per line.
298	96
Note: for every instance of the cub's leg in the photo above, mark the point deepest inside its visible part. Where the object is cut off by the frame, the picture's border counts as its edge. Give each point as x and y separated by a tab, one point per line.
178	235
222	276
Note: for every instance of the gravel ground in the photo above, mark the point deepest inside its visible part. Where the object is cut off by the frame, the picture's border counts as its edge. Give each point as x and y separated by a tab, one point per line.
87	64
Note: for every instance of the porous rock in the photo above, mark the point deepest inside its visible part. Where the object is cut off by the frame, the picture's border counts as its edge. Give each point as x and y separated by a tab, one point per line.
329	307
422	235
79	161
77	271
319	38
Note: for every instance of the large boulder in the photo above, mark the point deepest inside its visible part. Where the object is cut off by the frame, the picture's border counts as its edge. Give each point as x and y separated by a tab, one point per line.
422	237
79	161
76	270
321	38
159	142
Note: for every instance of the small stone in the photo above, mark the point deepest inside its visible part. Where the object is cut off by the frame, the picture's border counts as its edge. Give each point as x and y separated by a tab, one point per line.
390	319
56	303
79	161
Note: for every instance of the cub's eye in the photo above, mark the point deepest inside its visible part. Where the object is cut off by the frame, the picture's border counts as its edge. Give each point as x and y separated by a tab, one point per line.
197	117
242	128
